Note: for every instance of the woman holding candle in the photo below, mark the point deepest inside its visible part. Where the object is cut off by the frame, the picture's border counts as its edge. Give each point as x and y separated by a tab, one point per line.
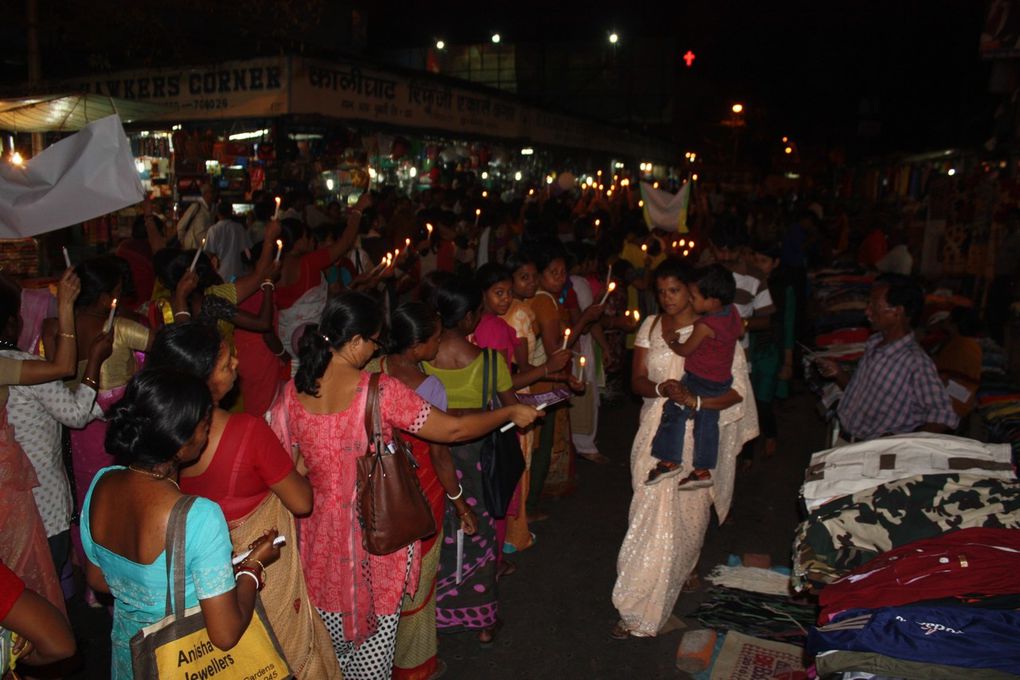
101	284
552	465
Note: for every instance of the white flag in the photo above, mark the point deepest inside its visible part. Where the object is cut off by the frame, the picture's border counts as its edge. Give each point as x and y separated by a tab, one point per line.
88	174
665	210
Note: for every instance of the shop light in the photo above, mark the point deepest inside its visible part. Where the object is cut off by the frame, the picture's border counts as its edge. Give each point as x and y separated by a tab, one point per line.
372	173
694	177
496	38
548	179
788	150
329	184
485	175
617	165
518	176
952	171
440	45
527	151
241	136
175	128
413	172
485	194
737	108
614	38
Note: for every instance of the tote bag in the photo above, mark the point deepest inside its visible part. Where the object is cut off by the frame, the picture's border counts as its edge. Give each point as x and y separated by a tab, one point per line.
178	645
501	457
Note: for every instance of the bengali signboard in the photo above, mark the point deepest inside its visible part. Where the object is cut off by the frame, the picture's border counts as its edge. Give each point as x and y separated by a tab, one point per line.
236	89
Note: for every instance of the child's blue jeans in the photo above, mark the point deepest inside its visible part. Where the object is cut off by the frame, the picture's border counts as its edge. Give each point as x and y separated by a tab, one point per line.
668	444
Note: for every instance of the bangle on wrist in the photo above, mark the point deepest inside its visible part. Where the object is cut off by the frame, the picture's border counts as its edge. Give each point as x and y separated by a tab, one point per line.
90	383
269	283
250	573
67	335
187	314
697	404
657	386
460	492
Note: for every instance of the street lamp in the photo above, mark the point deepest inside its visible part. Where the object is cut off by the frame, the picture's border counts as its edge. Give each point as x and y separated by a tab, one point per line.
495	38
737	108
440	45
614	38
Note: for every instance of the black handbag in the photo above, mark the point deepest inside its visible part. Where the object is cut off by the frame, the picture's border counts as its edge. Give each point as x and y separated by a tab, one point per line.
501	457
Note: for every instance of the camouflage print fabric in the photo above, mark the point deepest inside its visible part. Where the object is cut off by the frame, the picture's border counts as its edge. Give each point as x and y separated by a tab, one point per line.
849	531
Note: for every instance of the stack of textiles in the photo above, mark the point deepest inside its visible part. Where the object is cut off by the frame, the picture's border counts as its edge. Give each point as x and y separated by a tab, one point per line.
839	299
912	544
998	398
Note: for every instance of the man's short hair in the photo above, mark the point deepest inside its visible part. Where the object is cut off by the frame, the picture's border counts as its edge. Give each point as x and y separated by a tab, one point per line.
716	281
903	291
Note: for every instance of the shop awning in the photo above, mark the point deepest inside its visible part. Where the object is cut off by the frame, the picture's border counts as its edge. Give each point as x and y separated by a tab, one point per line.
71	112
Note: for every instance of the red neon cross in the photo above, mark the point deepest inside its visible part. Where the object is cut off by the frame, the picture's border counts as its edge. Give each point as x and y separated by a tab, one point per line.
689	58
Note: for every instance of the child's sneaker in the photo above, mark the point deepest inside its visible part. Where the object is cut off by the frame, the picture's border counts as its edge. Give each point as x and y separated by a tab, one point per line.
698	479
662	471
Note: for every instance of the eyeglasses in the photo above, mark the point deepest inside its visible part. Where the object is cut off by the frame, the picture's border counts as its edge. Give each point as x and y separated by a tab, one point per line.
374	341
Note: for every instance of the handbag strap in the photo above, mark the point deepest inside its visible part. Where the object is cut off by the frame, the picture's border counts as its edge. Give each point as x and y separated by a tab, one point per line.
485	379
176	530
372	425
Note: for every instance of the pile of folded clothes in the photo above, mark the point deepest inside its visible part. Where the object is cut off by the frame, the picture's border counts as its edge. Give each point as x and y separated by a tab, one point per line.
912	544
839	298
998	398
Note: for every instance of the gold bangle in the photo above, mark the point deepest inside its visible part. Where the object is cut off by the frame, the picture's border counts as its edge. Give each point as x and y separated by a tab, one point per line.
67	335
252	559
90	382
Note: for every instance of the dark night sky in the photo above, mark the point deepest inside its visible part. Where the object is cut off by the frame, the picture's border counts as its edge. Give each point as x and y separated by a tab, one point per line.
802	67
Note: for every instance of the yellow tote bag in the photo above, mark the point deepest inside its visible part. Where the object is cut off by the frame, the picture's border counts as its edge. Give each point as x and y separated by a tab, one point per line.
177	646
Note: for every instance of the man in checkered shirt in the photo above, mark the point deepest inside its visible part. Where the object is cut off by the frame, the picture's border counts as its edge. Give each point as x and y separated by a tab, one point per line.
895	388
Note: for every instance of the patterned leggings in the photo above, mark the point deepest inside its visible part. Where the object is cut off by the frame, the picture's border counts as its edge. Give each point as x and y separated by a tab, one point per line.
373	659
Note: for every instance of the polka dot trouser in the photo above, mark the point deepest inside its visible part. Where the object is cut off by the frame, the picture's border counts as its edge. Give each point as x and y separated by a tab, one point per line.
373	659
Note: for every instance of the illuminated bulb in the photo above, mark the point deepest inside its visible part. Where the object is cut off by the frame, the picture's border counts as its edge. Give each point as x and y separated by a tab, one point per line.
496	38
485	175
329	184
598	222
518	176
413	172
613	38
485	194
952	171
694	177
440	45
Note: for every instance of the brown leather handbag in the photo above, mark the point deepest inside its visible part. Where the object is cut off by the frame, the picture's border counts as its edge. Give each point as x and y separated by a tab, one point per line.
392	509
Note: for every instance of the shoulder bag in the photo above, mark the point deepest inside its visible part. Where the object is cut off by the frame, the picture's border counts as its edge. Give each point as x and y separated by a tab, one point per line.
501	457
178	646
392	509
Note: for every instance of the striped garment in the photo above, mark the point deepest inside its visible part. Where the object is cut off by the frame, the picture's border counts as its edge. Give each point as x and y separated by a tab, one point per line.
894	389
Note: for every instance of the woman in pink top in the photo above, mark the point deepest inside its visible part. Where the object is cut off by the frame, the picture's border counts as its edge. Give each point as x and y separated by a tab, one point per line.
322	413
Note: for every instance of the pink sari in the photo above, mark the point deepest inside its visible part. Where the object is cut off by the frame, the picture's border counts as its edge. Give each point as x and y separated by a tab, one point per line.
23	546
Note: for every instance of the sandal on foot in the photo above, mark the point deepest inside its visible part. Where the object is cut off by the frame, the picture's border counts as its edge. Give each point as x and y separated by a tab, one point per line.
696	480
662	471
487	636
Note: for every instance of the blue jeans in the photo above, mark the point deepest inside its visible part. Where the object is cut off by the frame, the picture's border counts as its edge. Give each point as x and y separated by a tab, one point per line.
668	444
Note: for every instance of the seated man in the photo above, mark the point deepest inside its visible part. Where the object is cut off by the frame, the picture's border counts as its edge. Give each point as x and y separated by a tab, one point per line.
895	388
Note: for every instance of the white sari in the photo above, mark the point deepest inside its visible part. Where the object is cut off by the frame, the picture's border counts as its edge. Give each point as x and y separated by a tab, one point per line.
667	526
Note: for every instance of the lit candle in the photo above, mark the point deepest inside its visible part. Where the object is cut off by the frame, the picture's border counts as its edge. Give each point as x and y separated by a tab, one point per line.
691	244
485	194
67	257
109	320
674	244
407	243
609	289
644	248
566	338
478	215
396	253
531	192
637	316
683	242
627	313
686	253
278	201
580	368
279	249
609	275
428	226
598	222
194	260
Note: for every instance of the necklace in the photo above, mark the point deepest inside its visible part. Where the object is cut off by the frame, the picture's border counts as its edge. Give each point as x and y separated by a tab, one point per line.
154	476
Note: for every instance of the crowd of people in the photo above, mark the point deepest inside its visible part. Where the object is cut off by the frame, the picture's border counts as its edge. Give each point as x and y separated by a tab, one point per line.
231	360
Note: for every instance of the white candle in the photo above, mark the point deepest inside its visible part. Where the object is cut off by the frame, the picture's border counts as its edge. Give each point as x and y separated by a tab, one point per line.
276	216
566	338
109	320
644	248
279	249
509	426
580	368
67	257
194	260
460	554
637	316
428	226
609	289
407	243
396	254
478	215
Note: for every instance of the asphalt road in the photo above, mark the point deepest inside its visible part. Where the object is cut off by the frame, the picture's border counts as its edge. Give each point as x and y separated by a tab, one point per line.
556	609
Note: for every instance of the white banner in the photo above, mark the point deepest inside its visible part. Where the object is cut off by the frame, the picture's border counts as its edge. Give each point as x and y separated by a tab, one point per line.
665	210
88	174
